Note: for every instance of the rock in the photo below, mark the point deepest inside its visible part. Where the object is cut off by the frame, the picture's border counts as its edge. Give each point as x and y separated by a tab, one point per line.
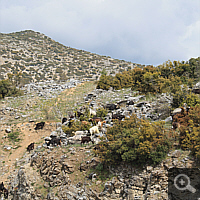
98	183
176	154
83	167
58	125
81	133
108	187
177	110
8	130
53	134
168	119
149	168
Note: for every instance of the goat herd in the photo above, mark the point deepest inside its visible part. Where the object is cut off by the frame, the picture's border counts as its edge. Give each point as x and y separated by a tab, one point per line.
96	121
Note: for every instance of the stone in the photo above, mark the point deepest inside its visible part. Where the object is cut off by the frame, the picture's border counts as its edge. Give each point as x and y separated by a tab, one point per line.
98	183
176	154
53	134
108	187
8	130
149	168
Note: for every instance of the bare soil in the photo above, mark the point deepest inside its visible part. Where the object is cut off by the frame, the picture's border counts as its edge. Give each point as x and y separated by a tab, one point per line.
27	134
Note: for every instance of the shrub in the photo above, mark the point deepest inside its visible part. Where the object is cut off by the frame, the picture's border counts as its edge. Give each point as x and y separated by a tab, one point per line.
14	136
190	130
135	141
85	127
101	112
7	89
76	126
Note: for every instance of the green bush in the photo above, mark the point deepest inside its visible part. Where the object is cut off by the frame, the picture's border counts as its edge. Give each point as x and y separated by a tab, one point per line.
135	141
189	130
8	89
85	127
149	79
14	136
101	112
76	126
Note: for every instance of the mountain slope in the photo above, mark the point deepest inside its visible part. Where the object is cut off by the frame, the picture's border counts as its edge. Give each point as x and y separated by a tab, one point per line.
39	57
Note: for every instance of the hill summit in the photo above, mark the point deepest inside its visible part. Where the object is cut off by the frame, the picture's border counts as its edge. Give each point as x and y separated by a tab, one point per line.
39	57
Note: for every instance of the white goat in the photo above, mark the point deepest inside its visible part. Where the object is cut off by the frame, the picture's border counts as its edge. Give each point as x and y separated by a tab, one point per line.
93	130
93	112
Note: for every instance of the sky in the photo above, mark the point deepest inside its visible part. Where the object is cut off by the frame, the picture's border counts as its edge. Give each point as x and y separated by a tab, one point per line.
140	31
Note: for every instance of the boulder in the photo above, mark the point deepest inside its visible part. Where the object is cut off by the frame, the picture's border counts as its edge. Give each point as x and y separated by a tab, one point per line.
8	130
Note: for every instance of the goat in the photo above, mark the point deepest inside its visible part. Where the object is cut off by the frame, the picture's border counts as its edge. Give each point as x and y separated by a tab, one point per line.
86	139
92	112
30	147
54	141
196	90
118	116
3	190
84	123
93	130
64	119
131	102
100	124
39	125
111	106
5	193
1	186
78	114
95	120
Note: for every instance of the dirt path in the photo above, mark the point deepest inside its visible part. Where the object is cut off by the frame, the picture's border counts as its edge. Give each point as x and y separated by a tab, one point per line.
28	136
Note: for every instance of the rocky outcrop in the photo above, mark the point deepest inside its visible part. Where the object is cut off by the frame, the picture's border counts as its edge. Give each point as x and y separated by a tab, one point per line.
21	188
128	182
132	103
49	89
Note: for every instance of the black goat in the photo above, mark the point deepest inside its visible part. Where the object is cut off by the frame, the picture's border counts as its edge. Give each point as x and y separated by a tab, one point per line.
39	125
1	186
64	119
3	190
86	139
78	114
54	141
111	106
30	147
118	116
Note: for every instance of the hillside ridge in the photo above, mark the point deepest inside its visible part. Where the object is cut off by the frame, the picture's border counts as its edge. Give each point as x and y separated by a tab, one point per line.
39	57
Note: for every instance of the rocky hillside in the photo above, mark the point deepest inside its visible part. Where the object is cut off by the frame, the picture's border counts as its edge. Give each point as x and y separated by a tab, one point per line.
73	171
39	57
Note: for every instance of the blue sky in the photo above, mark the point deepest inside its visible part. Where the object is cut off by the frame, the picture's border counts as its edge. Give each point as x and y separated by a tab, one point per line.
140	31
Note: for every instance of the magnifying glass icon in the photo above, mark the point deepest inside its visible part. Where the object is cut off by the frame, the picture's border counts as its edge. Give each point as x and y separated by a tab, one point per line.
183	180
